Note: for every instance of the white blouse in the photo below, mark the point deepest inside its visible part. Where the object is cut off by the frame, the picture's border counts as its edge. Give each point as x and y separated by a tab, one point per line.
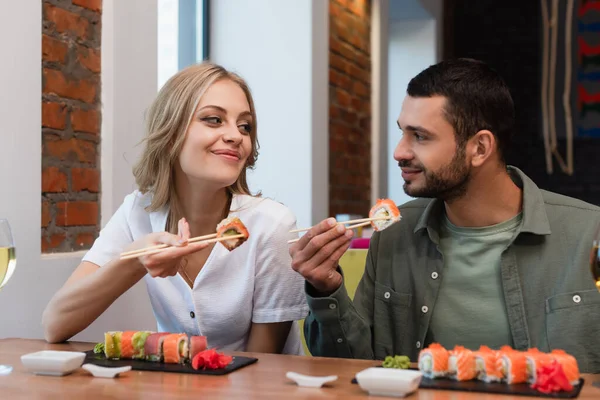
252	283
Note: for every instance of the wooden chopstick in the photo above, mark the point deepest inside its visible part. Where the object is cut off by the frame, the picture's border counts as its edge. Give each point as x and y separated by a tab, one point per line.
353	221
149	252
348	227
164	246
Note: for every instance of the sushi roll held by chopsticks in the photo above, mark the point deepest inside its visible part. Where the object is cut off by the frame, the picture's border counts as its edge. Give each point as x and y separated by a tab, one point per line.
233	227
385	213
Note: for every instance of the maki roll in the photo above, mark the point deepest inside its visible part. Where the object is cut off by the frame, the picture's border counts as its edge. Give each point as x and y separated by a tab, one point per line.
232	226
197	344
139	341
127	344
111	350
387	210
461	364
514	366
534	359
433	361
153	348
488	365
569	365
175	348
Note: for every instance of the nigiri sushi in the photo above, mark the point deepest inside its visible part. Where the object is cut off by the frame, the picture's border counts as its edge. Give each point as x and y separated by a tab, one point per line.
384	208
461	364
433	361
232	226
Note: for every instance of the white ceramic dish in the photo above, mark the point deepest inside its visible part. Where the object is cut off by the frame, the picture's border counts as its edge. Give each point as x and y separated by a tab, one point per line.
309	380
105	372
389	381
52	362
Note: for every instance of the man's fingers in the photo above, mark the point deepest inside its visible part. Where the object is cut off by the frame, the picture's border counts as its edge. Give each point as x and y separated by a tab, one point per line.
316	230
328	255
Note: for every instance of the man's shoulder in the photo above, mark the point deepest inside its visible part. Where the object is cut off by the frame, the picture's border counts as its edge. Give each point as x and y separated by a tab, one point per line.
558	203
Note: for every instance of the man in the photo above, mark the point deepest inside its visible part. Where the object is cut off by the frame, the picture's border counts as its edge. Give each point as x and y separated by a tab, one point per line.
491	259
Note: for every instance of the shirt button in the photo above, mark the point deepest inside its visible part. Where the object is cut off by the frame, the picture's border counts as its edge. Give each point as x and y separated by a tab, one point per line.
418	344
424	309
332	306
577	298
192	314
340	340
387	295
434	275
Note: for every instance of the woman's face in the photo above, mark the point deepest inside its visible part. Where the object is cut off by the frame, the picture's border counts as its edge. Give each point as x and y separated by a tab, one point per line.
217	143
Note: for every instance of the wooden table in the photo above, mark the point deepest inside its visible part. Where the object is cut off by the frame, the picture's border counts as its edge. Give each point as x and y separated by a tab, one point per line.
263	380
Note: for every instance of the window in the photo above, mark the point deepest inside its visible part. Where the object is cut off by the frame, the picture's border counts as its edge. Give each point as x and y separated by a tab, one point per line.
182	35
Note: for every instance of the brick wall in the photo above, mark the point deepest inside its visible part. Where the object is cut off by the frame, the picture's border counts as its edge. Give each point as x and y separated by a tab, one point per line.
349	106
508	36
70	124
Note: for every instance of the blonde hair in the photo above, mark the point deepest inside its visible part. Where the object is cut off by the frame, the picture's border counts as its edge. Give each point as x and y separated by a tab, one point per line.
167	122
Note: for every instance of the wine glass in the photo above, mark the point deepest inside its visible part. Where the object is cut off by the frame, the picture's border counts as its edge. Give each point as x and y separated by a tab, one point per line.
595	258
8	262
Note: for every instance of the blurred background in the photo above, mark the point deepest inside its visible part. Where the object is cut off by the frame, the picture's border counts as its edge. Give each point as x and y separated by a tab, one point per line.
328	78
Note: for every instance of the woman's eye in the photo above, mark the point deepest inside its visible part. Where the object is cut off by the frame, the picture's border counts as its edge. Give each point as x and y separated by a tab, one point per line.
246	128
212	120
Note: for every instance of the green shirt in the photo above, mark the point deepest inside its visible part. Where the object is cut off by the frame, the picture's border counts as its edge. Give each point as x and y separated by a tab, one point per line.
549	294
471	286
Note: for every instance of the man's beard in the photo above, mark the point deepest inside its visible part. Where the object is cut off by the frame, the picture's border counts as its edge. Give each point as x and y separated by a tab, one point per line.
449	183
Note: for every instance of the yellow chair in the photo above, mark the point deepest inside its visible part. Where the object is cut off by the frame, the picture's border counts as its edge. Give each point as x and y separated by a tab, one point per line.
353	264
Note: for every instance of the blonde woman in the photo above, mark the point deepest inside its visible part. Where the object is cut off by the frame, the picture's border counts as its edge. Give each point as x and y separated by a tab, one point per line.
201	140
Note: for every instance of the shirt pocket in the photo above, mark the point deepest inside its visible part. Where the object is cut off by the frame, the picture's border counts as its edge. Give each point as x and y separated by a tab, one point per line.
573	325
391	319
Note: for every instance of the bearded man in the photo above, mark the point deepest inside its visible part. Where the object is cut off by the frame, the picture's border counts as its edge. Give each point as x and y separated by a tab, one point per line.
483	257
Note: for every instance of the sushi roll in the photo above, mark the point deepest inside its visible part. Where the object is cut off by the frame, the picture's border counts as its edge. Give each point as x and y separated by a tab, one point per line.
232	226
153	347
534	359
197	345
488	366
514	366
569	365
138	341
175	348
111	351
433	361
384	208
461	364
127	344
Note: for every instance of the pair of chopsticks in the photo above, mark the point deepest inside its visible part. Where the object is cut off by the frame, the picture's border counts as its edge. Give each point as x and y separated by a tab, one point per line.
146	251
357	223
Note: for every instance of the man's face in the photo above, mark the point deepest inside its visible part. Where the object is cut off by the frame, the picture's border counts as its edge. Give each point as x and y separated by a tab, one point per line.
432	164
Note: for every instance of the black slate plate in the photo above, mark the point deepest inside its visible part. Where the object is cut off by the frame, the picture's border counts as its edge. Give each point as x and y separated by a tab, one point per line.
100	359
520	389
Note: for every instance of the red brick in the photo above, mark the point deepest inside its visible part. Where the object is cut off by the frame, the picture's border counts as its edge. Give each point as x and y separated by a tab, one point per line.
360	89
53	180
85	121
52	242
338	63
343	99
89	58
334	9
84	240
85	179
46	217
72	149
54	115
56	83
65	21
94	5
53	50
76	213
334	112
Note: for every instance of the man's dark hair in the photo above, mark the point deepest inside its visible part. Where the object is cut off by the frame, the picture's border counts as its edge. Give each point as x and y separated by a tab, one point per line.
477	98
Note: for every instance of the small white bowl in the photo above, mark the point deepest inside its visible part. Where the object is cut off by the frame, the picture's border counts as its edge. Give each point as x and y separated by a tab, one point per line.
52	362
309	380
389	381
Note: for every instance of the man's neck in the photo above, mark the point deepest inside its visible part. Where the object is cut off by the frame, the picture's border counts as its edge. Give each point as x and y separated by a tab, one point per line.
491	198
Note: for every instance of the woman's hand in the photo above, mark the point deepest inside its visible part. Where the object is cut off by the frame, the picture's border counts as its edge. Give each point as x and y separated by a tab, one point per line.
167	262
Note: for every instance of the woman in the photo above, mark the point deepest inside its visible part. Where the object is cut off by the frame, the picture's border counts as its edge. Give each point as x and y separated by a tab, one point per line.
201	140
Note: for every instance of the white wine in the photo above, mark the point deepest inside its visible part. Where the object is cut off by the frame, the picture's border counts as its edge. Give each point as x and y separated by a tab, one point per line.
8	262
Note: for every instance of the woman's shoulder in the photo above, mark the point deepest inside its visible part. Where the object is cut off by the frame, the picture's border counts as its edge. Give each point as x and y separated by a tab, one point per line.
262	208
